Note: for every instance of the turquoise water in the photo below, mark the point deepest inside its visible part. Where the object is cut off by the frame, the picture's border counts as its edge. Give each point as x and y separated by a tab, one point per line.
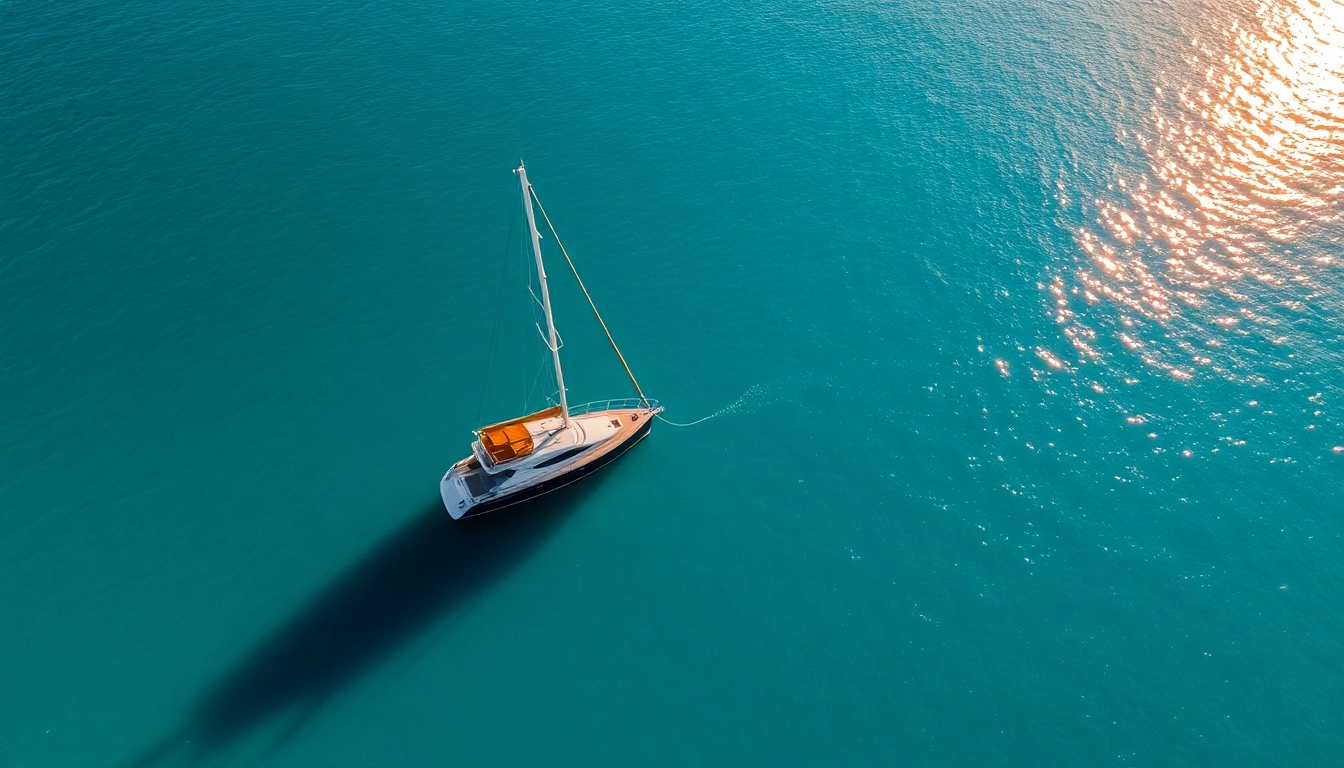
1024	321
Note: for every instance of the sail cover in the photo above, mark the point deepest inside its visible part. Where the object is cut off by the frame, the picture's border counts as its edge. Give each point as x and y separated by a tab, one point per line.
511	439
505	443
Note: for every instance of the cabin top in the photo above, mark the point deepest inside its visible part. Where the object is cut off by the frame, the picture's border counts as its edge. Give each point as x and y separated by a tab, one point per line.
512	439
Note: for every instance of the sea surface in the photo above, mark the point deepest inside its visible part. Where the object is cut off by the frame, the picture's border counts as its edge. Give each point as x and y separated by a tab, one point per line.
1019	322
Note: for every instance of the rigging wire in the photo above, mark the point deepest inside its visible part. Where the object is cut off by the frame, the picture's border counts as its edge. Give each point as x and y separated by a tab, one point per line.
527	283
492	354
527	403
586	294
525	310
533	313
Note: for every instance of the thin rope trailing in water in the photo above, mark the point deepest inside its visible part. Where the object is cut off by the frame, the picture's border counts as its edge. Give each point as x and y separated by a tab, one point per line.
688	424
585	293
753	393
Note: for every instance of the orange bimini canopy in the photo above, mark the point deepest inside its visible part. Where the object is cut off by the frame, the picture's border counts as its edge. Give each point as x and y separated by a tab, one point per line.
509	440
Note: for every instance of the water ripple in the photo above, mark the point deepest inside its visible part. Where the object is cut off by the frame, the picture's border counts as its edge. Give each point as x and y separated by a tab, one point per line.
1228	238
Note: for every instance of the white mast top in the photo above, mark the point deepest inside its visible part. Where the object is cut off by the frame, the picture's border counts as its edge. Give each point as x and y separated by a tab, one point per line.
545	293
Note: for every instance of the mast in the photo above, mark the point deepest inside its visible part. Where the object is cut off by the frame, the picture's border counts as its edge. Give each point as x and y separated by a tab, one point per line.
545	293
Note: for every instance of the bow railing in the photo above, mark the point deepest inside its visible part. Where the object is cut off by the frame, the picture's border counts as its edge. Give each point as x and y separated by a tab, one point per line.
607	405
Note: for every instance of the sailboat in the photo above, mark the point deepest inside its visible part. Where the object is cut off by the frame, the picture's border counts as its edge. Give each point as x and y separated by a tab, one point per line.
523	458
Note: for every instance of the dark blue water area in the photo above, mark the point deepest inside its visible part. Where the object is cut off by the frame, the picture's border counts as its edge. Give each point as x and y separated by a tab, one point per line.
1019	326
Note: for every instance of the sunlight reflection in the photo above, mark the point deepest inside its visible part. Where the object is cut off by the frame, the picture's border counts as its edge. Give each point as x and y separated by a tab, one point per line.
1245	159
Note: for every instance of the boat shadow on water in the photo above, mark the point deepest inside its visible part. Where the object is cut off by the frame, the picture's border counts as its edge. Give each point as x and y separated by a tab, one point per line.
413	579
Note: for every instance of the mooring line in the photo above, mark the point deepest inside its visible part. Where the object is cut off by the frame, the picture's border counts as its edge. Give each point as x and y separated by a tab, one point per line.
733	407
689	424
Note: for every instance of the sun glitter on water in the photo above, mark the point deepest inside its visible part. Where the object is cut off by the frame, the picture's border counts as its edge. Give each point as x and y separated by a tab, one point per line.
1233	230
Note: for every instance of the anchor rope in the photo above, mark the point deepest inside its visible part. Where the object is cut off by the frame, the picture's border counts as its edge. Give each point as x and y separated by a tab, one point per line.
688	424
745	401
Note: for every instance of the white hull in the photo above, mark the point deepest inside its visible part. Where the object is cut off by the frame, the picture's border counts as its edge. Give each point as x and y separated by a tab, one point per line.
525	457
566	455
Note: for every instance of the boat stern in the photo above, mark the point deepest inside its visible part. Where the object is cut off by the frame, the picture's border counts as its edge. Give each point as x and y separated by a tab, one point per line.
453	490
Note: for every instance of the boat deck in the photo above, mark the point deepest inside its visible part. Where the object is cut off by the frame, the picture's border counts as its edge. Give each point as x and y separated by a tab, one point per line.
555	467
